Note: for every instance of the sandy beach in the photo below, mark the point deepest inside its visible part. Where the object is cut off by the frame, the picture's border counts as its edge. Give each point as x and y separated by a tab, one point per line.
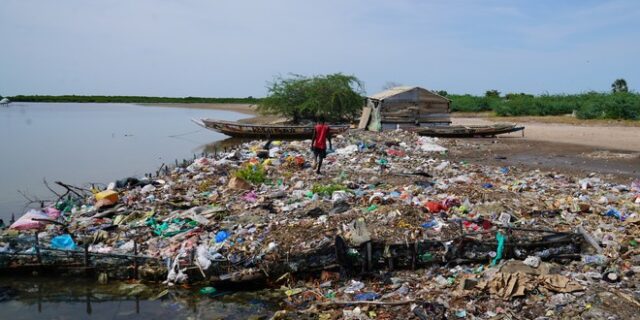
611	137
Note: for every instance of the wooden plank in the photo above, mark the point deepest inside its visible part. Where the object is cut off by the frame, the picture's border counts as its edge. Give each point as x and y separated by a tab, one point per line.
364	119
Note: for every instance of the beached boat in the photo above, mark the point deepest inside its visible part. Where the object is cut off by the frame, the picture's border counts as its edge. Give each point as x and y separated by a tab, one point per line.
259	131
469	131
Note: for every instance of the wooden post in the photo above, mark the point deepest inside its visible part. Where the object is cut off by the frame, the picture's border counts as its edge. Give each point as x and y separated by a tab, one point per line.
39	299
88	302
369	264
86	255
414	253
135	259
38	249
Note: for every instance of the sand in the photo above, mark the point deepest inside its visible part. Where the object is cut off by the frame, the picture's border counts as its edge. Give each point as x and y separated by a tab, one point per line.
611	137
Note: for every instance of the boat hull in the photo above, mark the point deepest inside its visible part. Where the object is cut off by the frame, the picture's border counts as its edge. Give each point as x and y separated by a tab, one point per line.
468	131
252	131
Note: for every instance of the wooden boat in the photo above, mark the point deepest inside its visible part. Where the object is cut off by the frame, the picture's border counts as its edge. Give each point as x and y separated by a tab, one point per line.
259	131
469	131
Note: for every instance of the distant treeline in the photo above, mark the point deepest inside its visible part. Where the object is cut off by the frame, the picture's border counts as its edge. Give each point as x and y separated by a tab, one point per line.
592	105
621	105
130	99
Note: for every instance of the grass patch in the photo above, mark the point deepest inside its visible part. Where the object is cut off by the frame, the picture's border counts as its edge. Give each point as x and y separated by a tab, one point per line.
254	173
327	190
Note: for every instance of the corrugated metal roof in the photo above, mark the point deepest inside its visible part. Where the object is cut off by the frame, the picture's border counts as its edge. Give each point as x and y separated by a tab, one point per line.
398	90
391	92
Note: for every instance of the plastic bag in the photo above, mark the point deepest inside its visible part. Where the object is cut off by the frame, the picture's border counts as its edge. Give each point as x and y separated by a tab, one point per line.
26	222
64	242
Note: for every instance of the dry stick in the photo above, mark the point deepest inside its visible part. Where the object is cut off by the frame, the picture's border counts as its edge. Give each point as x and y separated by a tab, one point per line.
46	184
30	201
380	303
71	188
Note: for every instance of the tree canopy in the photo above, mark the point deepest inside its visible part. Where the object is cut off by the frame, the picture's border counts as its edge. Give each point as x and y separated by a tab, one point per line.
336	97
620	85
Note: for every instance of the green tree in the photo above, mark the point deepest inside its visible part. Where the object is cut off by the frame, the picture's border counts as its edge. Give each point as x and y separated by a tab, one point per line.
620	85
337	97
443	93
492	94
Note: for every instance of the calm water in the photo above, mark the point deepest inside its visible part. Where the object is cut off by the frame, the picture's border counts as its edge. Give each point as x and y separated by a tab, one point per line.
39	298
81	143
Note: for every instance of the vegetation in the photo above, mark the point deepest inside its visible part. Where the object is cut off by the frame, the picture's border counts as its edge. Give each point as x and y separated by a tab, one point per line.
469	103
328	189
337	97
492	94
254	173
129	99
622	105
620	85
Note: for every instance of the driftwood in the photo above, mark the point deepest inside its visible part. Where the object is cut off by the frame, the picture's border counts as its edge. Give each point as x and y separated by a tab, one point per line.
375	303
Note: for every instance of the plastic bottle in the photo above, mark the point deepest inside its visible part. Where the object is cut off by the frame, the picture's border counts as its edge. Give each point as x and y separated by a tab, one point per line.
597	259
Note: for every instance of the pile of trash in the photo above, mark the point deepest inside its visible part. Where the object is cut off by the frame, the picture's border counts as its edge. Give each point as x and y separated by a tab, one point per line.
393	226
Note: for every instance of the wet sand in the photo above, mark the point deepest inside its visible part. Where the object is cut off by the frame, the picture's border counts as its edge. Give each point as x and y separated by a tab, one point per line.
579	148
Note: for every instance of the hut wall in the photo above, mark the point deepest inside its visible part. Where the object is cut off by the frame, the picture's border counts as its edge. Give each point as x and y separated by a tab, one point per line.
415	105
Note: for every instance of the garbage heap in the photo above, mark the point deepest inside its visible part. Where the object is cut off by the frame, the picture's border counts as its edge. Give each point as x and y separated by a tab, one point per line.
393	227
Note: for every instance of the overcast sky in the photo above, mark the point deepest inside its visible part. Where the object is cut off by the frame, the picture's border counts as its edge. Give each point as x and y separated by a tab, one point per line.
218	48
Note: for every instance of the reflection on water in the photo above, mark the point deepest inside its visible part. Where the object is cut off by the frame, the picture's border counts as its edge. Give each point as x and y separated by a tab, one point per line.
80	143
38	298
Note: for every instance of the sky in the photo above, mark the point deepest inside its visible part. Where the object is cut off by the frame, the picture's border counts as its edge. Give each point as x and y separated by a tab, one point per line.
234	48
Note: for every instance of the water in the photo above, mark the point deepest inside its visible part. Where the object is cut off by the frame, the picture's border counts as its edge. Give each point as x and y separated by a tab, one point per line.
82	143
47	298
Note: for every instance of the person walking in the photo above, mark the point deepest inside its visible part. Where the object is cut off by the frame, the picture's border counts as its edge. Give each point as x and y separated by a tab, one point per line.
321	134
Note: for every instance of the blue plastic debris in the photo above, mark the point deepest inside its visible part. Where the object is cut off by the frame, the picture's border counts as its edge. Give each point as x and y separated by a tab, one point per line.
429	224
461	313
366	296
221	236
614	213
487	185
64	242
500	237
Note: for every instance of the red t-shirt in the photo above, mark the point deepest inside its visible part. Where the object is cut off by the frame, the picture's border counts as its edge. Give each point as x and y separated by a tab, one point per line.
322	131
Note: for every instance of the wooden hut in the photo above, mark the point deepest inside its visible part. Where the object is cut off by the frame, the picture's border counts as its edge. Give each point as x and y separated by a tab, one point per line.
405	107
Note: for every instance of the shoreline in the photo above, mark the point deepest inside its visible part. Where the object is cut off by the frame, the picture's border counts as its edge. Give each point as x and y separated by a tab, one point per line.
598	134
